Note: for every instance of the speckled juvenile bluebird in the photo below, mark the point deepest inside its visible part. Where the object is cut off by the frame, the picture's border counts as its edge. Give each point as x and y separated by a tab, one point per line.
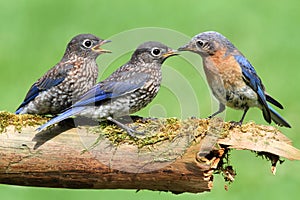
127	90
231	77
63	84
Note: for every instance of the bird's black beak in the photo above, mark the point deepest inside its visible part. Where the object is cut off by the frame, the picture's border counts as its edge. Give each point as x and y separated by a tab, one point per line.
97	48
185	48
171	52
189	47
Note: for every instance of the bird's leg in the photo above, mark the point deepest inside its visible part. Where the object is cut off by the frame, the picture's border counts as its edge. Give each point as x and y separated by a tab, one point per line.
133	133
244	114
221	109
239	123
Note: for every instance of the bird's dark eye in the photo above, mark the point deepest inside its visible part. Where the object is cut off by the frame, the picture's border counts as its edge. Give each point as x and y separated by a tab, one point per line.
87	43
200	43
155	51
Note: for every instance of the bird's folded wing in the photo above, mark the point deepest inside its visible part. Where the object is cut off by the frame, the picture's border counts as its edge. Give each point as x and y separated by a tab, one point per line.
49	80
106	90
251	78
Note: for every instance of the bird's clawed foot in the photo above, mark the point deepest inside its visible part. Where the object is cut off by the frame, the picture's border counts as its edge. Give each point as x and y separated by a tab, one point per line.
210	116
131	131
235	124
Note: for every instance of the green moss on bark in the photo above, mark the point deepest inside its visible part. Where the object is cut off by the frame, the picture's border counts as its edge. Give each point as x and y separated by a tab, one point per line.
19	121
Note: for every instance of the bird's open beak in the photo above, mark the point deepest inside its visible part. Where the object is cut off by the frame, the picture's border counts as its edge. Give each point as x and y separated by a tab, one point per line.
169	53
100	50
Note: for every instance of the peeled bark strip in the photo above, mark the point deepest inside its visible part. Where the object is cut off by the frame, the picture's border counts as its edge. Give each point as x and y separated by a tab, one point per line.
176	155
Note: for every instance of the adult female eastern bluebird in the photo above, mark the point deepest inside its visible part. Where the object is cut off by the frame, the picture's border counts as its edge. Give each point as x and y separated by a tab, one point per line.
231	77
127	90
63	84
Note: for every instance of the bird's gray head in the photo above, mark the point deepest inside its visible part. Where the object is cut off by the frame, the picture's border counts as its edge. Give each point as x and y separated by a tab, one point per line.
86	45
152	52
207	44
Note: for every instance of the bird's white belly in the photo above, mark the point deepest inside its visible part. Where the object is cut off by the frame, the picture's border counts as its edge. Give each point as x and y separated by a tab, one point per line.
241	98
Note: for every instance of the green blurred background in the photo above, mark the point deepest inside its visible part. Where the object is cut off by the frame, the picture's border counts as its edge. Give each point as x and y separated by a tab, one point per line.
34	35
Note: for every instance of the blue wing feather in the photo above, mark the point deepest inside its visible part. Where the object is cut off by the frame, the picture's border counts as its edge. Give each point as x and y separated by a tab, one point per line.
92	96
251	79
32	93
37	88
49	83
111	89
61	117
52	78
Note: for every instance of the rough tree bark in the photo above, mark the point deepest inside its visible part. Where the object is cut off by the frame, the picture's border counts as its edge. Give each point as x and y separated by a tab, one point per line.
175	155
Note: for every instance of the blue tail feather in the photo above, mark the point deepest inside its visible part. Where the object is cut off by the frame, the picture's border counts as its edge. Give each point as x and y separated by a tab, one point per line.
19	110
61	117
277	118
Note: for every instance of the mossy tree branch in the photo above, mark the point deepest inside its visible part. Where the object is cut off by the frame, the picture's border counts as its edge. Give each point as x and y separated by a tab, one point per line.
175	155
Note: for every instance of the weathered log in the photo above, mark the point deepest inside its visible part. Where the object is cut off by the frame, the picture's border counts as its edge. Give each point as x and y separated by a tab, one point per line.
173	155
